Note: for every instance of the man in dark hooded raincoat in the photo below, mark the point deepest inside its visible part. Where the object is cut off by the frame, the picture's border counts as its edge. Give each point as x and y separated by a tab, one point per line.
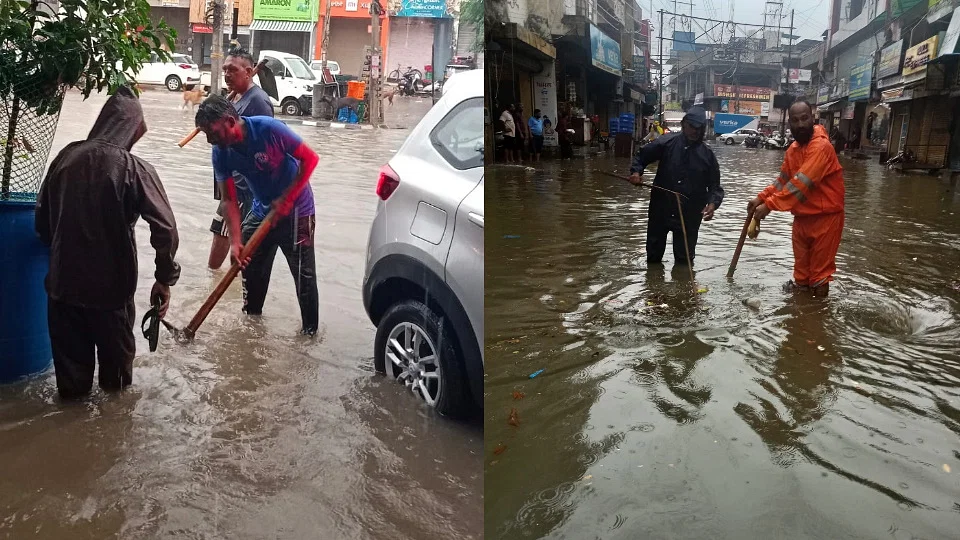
688	166
94	192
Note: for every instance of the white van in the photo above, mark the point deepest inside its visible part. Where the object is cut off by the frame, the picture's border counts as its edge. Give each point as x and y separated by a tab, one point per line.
294	77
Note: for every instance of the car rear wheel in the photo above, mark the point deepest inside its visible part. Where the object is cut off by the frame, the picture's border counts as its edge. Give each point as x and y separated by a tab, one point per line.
729	141
290	107
414	347
173	83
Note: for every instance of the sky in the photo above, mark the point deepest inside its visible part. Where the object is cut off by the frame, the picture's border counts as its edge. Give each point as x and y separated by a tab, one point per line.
810	17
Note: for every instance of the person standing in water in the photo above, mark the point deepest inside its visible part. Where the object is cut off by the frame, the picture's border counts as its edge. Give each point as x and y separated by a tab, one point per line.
687	166
810	187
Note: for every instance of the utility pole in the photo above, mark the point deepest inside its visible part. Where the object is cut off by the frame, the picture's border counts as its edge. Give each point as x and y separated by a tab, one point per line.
216	54
373	92
326	38
783	112
660	96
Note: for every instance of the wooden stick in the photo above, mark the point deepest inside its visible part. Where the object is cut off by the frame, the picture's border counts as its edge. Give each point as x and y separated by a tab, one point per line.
248	250
643	184
743	237
196	131
686	243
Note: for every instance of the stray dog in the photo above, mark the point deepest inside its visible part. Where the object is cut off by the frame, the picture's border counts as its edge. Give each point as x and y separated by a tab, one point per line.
388	94
193	98
339	103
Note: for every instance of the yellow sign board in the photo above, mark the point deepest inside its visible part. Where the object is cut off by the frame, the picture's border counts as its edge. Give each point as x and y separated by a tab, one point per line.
918	56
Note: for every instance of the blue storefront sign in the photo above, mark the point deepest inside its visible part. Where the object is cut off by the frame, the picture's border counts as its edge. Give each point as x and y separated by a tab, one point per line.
727	123
860	77
432	9
605	52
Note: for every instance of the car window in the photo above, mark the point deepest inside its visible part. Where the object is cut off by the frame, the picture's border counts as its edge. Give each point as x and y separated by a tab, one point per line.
154	58
458	137
181	59
333	65
299	68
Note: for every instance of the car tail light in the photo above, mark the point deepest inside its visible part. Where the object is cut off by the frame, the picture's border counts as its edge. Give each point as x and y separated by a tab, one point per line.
388	182
185	66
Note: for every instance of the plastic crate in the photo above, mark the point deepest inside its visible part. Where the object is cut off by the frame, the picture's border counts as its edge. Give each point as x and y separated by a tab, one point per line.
356	89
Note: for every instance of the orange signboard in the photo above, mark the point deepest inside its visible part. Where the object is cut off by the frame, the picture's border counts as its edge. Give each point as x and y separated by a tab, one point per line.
358	9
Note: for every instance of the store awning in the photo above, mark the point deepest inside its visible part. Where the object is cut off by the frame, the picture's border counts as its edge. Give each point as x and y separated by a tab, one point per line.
826	106
282	26
897	94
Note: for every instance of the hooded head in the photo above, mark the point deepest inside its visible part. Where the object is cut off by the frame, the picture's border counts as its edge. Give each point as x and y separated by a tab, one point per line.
120	121
694	124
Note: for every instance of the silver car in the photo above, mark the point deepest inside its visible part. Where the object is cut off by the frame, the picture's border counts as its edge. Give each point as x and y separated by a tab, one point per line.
423	282
737	136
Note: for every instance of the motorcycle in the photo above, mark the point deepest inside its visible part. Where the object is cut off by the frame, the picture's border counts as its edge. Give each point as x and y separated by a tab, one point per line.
753	141
411	83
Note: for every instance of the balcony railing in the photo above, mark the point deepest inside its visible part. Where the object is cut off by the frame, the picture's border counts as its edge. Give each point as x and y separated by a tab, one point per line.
582	8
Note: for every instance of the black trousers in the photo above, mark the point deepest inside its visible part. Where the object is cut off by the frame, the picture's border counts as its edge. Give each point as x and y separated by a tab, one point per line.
82	336
294	237
566	149
663	217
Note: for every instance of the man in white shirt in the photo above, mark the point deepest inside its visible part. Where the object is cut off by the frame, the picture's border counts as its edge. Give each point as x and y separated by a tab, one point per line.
509	132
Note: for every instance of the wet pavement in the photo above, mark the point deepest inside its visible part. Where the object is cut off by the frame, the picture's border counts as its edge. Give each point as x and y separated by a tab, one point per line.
664	413
251	431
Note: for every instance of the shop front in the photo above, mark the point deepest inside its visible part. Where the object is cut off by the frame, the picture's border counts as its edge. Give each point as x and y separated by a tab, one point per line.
201	31
350	32
283	25
421	36
176	13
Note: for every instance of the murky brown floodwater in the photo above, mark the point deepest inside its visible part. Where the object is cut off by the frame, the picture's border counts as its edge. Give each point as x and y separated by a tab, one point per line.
251	431
667	414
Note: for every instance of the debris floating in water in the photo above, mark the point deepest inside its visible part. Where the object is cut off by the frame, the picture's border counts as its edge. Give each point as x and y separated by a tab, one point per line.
537	372
752	303
946	468
499	449
511	236
701	291
518	395
514	419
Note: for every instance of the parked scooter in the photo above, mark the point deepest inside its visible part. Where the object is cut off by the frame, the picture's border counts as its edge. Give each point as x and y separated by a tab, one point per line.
410	82
777	142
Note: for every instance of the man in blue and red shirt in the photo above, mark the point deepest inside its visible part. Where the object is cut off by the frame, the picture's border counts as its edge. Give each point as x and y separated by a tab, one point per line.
273	159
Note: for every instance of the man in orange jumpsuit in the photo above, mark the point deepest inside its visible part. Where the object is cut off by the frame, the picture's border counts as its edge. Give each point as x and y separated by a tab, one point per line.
811	187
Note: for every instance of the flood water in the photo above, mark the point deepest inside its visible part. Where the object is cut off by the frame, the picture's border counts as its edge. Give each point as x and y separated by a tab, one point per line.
664	413
251	431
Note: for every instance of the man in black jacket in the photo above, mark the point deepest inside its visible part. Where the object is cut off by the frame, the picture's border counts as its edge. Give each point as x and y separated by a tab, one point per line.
689	167
87	208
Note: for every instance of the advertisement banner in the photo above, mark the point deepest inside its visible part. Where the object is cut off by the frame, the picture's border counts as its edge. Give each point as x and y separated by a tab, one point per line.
765	108
890	60
545	99
751	108
604	52
283	10
800	75
745	92
860	77
849	110
726	123
823	94
430	9
917	57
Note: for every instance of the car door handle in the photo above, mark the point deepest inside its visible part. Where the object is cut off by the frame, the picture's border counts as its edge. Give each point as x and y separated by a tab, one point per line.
477	219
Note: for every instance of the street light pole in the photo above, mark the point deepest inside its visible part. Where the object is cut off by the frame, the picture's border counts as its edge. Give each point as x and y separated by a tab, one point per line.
660	96
373	92
216	54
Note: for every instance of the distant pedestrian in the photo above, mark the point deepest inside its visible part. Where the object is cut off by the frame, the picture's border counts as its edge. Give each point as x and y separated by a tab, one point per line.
535	124
523	132
564	135
88	206
509	133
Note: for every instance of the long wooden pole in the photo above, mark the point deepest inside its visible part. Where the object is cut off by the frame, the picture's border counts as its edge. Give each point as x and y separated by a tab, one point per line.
196	131
743	237
686	243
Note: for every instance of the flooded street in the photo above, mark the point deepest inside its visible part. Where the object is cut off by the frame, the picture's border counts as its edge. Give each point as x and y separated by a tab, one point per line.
664	413
250	431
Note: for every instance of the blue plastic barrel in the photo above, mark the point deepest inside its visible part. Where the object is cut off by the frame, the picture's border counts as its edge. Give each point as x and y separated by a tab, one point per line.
24	261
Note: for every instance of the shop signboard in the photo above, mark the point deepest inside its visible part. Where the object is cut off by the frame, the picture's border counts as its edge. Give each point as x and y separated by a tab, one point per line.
800	75
743	92
949	45
860	80
751	108
890	60
429	9
545	99
765	108
604	52
284	10
917	57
